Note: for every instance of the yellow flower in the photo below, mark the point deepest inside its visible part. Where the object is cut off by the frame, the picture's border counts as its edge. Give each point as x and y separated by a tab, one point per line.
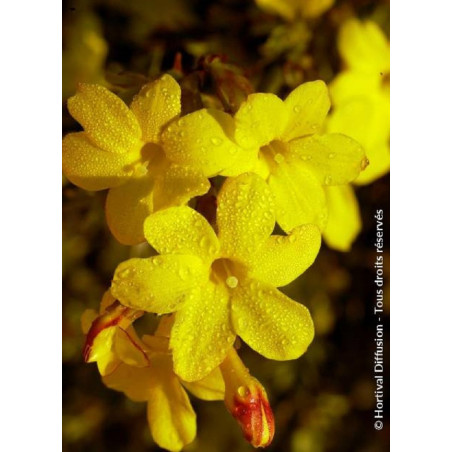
277	140
360	99
120	149
223	285
290	9
360	94
143	370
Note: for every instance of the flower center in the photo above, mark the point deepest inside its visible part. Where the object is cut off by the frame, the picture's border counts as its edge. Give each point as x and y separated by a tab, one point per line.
225	271
274	153
152	160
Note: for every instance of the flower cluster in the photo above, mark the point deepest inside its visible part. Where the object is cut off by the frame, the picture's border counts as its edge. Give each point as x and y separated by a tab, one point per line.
217	272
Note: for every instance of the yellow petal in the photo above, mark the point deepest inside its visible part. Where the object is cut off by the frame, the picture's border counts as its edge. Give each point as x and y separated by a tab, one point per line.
350	84
259	120
364	47
156	344
157	284
102	351
164	326
177	185
308	106
129	349
155	105
245	215
336	159
107	300
127	207
379	162
91	168
202	140
181	230
105	118
134	382
170	414
344	220
299	196
283	258
208	388
201	334
364	117
271	323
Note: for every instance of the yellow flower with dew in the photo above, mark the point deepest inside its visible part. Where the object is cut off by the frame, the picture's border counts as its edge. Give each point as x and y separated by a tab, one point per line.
143	370
120	149
291	9
280	141
360	99
223	285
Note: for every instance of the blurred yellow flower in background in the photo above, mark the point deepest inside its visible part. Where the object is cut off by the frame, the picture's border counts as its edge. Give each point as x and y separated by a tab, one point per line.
84	53
290	9
120	149
223	285
279	141
360	100
143	370
360	94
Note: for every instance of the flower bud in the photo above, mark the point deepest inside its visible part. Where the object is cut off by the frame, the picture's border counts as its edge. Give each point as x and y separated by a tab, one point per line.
231	86
247	401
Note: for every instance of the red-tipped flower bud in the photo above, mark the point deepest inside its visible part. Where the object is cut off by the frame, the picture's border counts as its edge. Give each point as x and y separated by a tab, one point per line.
247	401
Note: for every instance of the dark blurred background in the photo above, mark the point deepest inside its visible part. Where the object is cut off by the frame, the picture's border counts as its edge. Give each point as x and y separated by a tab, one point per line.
323	401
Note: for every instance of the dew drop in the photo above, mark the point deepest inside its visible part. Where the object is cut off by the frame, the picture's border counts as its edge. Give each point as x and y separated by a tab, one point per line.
183	274
331	155
124	273
216	141
232	282
297	109
364	163
328	180
242	391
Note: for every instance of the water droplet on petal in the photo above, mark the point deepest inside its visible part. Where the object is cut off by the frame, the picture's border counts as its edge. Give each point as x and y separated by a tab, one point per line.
124	273
242	391
232	282
364	163
216	141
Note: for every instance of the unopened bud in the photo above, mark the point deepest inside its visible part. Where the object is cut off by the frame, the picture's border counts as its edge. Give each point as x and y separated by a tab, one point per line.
231	86
247	401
